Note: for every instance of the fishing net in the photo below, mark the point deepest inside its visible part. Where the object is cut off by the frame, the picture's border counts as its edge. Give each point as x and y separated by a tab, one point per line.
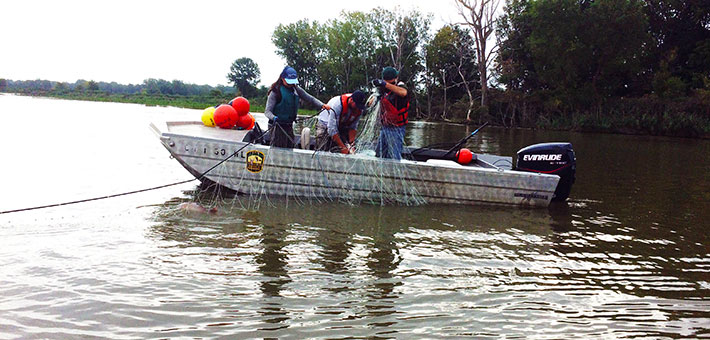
298	176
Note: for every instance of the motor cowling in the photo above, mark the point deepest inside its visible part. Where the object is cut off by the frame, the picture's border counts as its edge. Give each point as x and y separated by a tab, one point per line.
550	158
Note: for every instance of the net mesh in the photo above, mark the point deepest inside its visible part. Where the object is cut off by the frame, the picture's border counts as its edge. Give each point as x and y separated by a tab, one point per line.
317	176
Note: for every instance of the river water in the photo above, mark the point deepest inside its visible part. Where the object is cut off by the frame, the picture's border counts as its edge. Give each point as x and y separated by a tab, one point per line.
627	256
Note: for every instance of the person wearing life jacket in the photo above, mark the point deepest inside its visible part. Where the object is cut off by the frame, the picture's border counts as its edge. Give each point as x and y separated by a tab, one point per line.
394	114
282	107
337	127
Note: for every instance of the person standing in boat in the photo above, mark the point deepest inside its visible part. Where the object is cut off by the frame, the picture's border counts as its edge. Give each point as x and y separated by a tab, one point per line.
394	112
282	107
337	127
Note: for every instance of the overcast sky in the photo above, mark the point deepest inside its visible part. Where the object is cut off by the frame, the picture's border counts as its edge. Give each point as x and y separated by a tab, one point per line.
194	41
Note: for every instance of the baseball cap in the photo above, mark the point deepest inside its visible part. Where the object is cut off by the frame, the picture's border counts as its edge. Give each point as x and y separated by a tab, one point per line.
359	99
289	75
389	73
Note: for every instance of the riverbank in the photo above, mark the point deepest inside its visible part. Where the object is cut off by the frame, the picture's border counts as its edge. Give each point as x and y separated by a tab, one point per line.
187	102
631	118
686	117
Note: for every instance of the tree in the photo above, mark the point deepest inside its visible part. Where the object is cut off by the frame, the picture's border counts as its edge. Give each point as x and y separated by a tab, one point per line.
302	44
60	88
92	86
399	38
244	74
450	58
3	84
178	87
348	41
681	29
514	65
479	15
570	54
399	43
578	53
150	86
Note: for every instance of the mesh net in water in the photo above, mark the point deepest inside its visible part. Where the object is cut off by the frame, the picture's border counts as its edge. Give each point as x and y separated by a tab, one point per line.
313	176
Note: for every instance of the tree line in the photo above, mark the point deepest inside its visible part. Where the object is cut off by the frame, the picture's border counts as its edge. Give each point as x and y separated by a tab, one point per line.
609	65
637	66
148	87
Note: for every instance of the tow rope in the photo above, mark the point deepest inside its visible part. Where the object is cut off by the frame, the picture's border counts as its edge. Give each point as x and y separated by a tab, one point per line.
134	191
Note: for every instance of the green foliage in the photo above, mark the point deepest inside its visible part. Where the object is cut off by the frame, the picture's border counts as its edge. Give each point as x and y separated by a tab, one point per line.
515	68
399	36
92	86
681	30
450	60
60	88
244	74
347	60
302	44
152	87
578	53
346	53
627	66
573	50
668	86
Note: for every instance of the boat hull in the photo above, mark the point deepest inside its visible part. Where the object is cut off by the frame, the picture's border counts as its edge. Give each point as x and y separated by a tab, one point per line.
261	170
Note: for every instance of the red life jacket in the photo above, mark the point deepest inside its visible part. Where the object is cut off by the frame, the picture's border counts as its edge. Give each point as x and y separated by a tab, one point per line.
345	117
391	116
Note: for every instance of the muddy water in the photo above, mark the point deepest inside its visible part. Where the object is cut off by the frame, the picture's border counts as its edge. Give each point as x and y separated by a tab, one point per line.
627	256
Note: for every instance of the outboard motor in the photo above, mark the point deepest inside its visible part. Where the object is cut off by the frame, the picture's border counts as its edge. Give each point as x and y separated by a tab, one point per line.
550	158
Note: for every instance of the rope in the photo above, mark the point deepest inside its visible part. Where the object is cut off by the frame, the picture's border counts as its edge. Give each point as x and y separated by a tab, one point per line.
135	191
95	198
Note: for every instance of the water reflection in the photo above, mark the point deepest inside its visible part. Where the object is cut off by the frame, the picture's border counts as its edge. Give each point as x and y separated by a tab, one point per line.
272	265
371	266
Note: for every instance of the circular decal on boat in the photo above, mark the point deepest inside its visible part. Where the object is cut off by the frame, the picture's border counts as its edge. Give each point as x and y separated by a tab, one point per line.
255	161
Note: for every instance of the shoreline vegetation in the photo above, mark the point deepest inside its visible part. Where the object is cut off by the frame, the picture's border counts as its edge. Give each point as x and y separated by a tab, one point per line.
633	116
198	102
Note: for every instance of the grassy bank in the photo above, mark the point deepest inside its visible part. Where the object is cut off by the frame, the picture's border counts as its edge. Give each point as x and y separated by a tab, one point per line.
683	117
687	117
189	102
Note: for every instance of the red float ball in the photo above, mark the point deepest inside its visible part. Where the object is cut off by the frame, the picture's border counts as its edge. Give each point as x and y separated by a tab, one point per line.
241	105
225	116
464	156
246	122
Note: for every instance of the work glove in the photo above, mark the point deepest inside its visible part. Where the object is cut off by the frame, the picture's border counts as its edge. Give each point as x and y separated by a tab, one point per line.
379	83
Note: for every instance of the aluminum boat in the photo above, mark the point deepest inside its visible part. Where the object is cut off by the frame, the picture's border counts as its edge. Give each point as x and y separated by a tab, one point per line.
227	158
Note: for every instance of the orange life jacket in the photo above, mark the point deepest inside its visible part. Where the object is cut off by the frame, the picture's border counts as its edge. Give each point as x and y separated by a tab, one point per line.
391	116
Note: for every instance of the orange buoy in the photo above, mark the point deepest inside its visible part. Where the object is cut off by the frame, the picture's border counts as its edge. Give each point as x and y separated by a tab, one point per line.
241	105
225	116
464	156
246	122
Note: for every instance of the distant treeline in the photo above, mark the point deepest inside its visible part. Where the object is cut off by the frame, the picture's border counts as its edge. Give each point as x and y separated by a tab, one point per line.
148	87
150	92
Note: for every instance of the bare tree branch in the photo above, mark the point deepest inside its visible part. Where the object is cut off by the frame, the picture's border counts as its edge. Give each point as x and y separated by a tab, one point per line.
479	15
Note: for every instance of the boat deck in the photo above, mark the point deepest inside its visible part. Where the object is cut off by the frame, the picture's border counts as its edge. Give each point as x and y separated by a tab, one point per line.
197	129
